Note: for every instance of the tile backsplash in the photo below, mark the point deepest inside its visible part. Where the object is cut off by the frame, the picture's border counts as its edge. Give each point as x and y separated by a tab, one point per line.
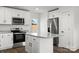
10	27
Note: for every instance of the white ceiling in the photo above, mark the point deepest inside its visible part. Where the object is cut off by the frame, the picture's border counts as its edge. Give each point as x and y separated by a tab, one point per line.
32	8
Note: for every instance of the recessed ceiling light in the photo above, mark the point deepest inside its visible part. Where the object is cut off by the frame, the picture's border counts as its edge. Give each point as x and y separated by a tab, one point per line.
36	8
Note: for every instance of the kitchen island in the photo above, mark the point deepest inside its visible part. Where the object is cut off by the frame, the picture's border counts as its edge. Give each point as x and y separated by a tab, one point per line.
39	43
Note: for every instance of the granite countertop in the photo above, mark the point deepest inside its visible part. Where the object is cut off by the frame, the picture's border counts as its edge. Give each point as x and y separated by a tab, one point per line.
19	33
5	32
48	35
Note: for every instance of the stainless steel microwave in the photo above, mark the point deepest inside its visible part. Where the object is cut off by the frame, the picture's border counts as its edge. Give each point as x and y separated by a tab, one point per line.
17	21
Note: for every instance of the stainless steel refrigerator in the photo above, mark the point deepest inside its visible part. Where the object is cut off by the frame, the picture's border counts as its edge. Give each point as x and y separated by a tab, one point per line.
53	27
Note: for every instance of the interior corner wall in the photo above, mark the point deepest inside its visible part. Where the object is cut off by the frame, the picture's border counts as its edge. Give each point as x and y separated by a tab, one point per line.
76	27
43	23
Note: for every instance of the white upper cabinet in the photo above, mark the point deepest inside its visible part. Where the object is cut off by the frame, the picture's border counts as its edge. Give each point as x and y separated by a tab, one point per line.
1	15
22	14
17	13
27	18
50	15
6	15
53	14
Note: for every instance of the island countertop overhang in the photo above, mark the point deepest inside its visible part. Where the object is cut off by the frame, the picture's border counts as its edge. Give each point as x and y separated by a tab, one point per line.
48	35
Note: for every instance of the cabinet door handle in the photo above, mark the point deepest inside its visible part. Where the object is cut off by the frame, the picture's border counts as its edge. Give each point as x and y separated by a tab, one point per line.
18	14
27	37
33	39
2	36
30	44
11	39
62	31
4	21
0	45
8	35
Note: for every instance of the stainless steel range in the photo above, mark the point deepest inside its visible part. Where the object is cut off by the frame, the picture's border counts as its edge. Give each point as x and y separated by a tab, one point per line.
18	36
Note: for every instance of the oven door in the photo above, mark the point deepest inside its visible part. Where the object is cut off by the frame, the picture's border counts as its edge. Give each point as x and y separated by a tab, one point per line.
19	38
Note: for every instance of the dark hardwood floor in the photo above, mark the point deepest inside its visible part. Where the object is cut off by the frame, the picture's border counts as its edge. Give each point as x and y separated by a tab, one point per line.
14	50
63	50
22	50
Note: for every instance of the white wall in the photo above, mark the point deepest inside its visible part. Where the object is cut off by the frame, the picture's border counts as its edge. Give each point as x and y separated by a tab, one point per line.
43	23
76	27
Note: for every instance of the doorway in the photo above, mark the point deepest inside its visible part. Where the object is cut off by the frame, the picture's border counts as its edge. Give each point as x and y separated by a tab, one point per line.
35	25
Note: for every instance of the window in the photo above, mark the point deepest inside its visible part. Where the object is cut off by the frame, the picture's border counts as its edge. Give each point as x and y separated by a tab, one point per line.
35	23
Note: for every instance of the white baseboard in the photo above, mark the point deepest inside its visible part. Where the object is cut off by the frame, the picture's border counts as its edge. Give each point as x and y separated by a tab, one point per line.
73	49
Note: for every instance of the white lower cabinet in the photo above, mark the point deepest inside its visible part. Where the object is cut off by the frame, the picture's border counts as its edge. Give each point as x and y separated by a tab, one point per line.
6	41
35	44
32	44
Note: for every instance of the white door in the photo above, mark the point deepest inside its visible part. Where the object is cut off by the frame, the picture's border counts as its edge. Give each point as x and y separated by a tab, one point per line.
65	30
50	15
62	29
